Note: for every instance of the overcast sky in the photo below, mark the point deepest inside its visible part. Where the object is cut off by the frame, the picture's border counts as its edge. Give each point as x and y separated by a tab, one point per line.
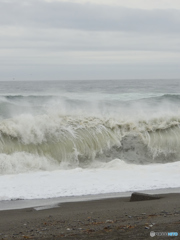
95	39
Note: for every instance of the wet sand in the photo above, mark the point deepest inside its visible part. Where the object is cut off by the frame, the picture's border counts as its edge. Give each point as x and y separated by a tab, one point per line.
114	218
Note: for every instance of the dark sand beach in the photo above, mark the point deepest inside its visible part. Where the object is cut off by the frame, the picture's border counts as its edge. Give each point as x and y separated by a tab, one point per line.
114	218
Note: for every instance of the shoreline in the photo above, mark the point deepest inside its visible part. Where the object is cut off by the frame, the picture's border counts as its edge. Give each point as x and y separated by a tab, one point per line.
53	202
110	218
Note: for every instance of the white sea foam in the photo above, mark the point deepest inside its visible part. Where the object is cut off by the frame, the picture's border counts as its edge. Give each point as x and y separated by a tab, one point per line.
115	176
20	162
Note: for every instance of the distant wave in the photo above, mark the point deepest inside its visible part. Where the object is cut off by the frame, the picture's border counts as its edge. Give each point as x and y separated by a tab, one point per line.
7	102
139	97
165	97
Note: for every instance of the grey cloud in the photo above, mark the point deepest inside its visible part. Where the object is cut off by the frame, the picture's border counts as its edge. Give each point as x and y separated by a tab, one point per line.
55	40
41	40
41	14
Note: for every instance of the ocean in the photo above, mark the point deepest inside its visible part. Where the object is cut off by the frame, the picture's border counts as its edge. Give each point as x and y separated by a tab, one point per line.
76	138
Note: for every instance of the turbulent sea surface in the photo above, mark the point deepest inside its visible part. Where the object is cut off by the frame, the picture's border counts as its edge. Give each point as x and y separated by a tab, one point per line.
71	138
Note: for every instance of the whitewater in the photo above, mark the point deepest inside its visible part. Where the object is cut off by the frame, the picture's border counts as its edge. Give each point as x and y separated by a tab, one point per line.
75	138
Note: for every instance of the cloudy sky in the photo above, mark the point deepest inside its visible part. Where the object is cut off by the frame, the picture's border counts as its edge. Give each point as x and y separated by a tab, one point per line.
95	39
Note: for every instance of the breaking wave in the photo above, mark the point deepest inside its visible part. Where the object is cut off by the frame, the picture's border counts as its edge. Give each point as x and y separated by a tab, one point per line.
46	142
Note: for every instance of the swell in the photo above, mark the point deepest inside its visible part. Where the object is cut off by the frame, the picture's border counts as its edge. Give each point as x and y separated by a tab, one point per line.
164	98
80	140
11	105
142	97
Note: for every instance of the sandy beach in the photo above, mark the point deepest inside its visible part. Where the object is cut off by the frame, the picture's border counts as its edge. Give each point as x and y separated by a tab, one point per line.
113	218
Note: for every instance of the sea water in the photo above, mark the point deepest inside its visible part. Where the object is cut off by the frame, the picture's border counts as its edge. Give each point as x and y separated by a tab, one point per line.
74	138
